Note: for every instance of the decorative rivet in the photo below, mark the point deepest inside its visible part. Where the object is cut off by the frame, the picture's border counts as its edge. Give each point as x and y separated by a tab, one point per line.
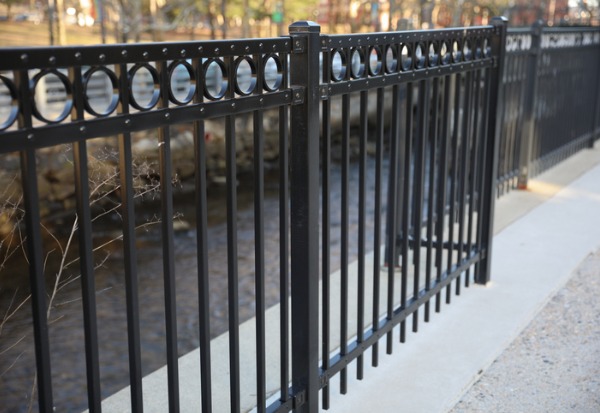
182	53
261	100
297	43
233	105
167	115
24	57
247	49
127	122
82	129
200	48
274	47
124	53
78	56
52	60
217	50
145	55
30	136
261	45
297	95
201	110
286	95
102	57
232	47
165	51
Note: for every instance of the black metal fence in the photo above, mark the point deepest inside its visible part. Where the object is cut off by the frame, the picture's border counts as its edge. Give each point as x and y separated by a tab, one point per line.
411	114
551	107
443	90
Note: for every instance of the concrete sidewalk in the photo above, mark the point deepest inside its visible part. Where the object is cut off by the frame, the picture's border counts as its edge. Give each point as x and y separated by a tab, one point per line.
542	237
554	364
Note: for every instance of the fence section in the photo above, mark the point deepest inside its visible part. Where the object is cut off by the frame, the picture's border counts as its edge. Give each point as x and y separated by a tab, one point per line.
404	126
230	81
551	100
432	136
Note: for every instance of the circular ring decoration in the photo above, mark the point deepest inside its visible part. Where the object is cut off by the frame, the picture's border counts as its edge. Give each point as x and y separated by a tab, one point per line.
434	55
215	79
420	56
338	66
138	69
114	100
51	95
406	59
487	49
273	73
245	75
14	104
478	49
445	55
189	70
357	63
467	50
456	53
391	59
375	61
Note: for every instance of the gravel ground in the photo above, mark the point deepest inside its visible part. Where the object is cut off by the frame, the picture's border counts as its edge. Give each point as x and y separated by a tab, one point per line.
554	364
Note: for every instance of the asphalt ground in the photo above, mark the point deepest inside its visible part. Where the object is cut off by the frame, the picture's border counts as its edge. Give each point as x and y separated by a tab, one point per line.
554	364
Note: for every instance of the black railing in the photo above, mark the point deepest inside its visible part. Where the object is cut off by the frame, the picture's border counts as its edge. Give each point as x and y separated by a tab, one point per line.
412	114
552	104
28	130
442	86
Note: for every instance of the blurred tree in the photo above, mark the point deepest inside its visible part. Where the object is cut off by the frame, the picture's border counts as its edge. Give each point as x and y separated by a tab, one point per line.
9	4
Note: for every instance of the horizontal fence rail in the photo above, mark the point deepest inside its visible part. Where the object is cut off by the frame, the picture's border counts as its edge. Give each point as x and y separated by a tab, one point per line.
389	149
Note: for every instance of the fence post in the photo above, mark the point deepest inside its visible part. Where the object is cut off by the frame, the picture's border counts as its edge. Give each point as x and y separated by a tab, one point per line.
528	128
494	128
304	214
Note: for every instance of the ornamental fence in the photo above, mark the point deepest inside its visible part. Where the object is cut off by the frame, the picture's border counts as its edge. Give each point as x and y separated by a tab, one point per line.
404	130
551	107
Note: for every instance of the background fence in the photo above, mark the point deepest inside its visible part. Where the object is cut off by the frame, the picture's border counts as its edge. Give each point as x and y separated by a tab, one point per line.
382	139
551	100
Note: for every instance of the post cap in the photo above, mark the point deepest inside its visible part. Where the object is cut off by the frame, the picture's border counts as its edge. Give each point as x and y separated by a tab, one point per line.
305	26
499	20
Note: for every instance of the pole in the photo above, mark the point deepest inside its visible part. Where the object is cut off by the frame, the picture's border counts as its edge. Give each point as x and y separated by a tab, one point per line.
304	214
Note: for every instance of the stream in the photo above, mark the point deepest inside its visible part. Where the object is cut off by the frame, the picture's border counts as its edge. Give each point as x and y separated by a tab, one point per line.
17	359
